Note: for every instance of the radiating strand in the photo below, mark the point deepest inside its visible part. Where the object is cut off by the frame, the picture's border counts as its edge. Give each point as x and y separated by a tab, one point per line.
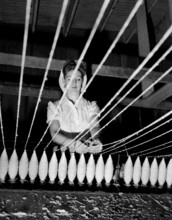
146	74
151	148
26	30
160	156
131	77
133	147
1	122
151	139
136	138
56	37
137	83
154	83
93	31
165	36
114	145
118	152
131	15
146	127
125	25
157	150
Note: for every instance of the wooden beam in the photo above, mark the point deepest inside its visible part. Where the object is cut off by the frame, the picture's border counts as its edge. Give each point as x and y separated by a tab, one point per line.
159	96
108	13
143	43
31	62
56	65
125	73
145	84
132	29
164	105
70	13
142	32
35	12
31	91
55	94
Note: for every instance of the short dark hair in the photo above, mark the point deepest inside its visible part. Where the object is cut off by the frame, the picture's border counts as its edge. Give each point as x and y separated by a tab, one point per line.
70	65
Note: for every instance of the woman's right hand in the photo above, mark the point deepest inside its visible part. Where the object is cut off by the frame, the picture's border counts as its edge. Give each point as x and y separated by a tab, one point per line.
80	147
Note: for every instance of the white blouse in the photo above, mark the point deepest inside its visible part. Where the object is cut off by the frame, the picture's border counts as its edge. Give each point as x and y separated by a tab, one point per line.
72	118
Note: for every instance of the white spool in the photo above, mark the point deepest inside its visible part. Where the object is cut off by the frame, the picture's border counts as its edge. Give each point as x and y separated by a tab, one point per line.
116	175
145	172
162	173
33	167
23	166
154	173
169	174
13	166
72	169
3	165
109	168
137	172
81	169
121	172
43	167
128	171
62	169
53	168
90	170
100	169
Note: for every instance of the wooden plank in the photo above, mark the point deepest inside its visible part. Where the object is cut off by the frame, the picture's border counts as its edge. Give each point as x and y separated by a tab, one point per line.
31	91
160	95
132	29
70	13
56	65
108	13
31	62
164	105
145	84
143	43
125	73
142	31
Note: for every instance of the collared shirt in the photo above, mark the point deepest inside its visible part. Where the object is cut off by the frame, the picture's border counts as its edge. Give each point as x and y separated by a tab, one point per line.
72	118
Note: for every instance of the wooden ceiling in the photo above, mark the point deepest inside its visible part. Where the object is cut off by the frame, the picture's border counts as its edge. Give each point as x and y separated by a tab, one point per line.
81	14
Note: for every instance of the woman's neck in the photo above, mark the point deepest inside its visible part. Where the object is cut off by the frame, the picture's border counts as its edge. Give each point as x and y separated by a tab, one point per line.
73	97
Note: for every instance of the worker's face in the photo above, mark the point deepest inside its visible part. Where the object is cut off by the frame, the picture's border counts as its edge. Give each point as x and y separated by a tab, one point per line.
76	83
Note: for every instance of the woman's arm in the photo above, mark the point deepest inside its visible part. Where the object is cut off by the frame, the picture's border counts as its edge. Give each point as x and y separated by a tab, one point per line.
64	141
96	145
95	127
59	138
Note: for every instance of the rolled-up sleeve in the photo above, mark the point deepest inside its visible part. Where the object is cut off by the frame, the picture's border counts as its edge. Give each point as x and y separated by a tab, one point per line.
52	112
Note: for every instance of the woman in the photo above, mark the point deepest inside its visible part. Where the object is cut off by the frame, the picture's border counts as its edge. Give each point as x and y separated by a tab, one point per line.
72	118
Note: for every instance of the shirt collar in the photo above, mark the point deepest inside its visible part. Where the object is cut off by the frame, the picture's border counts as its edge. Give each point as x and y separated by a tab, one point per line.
65	99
